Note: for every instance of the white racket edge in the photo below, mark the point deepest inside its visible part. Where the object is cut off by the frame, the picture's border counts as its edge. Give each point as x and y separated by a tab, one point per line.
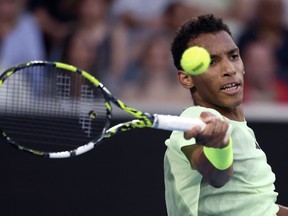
170	122
165	122
78	151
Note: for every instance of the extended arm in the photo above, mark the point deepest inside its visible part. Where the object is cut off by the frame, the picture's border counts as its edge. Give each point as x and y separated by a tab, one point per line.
283	211
213	137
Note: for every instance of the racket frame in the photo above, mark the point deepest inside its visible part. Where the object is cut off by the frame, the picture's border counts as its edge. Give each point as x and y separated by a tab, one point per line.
143	119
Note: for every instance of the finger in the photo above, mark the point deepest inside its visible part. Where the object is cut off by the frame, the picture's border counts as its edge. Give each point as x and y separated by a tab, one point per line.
227	135
193	132
219	127
209	118
206	114
210	122
221	132
214	132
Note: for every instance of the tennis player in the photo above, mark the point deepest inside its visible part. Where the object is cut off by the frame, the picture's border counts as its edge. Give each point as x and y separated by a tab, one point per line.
222	169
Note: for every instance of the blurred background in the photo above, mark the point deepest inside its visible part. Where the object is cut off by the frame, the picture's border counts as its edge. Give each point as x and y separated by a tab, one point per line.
126	45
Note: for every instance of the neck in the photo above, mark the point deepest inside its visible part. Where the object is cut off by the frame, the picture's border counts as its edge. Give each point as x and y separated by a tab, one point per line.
233	113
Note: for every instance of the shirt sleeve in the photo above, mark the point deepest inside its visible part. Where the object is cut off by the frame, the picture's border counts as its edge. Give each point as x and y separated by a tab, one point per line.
177	140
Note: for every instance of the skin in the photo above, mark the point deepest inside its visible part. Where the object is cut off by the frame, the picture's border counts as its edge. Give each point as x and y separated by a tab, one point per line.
226	67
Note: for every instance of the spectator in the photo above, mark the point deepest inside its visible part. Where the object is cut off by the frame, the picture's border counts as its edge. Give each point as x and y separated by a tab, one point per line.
140	19
56	19
269	26
261	81
140	14
96	44
20	36
154	77
239	15
79	53
175	14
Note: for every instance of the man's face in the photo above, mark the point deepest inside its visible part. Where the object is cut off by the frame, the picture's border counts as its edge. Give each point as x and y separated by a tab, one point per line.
221	86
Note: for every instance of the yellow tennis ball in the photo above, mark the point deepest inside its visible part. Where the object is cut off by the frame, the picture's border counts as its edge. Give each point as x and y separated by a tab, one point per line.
195	60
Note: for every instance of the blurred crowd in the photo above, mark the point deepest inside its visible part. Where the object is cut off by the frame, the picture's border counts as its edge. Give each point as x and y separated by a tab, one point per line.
126	43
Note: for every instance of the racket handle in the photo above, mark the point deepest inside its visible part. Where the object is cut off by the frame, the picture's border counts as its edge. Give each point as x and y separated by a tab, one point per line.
169	122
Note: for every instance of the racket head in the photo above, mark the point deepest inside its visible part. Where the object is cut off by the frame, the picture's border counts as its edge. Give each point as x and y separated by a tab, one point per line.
52	109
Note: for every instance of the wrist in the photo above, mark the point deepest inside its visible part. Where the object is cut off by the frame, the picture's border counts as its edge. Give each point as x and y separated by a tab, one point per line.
220	158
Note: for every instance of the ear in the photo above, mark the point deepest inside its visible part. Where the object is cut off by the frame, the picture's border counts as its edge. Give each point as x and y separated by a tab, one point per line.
185	80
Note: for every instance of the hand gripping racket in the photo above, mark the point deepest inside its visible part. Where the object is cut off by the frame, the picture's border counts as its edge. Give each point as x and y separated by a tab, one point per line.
56	110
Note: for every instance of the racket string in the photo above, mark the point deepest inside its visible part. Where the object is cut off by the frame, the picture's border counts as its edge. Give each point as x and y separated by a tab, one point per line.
49	109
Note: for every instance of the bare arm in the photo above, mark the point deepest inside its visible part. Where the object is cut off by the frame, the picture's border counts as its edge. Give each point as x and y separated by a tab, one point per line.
214	135
283	211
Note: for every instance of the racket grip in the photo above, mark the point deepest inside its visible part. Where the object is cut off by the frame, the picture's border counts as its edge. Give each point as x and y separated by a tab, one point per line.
169	122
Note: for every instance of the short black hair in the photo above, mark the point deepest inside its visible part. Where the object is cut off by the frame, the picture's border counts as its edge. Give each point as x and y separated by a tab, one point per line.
190	30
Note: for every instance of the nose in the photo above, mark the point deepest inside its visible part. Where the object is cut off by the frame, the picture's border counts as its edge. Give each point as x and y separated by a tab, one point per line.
228	68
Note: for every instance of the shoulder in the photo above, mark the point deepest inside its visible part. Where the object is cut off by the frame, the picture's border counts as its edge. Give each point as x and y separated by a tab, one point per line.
195	111
177	140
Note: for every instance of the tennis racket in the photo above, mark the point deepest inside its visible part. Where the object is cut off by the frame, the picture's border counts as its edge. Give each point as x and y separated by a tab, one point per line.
56	110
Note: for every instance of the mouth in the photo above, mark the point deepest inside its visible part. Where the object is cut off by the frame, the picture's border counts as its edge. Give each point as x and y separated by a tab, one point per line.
231	88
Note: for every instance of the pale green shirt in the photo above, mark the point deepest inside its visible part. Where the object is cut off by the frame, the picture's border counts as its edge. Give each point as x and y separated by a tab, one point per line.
250	191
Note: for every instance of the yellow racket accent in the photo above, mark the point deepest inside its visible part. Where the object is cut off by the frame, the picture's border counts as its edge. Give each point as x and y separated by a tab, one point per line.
66	66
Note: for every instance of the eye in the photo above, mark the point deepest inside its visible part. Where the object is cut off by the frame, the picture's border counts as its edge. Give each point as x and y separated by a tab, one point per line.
235	56
213	61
